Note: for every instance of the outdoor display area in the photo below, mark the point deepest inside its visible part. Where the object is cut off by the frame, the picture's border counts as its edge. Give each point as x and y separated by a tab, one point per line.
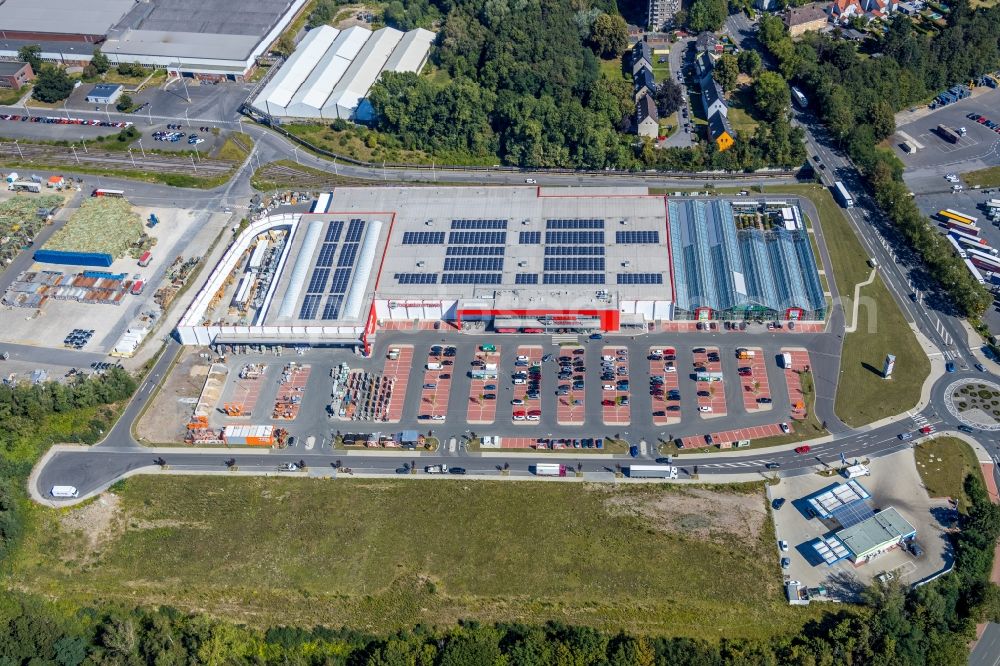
975	403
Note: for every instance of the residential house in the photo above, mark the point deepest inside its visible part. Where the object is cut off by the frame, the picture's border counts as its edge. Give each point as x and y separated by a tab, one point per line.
842	10
15	74
720	132
647	118
707	42
800	20
703	65
644	83
711	98
642	56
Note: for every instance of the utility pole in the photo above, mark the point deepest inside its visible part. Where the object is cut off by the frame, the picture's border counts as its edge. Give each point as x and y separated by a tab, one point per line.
131	158
74	153
82	139
106	112
193	164
141	149
186	119
20	154
149	113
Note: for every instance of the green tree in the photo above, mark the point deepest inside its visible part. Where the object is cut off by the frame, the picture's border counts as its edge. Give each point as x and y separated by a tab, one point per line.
669	96
31	54
707	15
771	95
750	62
100	62
726	72
124	103
609	35
52	85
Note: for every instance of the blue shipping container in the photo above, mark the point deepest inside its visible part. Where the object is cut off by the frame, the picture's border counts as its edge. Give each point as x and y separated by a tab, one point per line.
74	258
100	275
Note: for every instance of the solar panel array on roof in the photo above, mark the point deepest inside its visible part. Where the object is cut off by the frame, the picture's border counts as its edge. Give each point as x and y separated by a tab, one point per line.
640	278
310	304
526	278
574	250
574	237
573	278
477	238
326	252
830	549
416	278
472	250
317	283
479	224
574	264
423	238
635	237
471	278
530	237
345	265
354	231
341	278
473	264
332	308
333	231
853	513
574	223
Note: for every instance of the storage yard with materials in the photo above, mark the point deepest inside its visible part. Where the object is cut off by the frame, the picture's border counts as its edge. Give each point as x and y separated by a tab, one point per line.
611	555
100	279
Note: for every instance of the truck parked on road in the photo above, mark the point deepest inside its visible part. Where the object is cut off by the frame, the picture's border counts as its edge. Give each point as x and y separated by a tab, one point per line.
652	472
550	469
65	491
842	195
436	469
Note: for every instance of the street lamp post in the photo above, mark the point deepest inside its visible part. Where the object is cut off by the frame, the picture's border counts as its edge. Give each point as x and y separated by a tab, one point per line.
84	141
141	149
20	154
107	112
186	119
77	157
131	158
193	164
295	150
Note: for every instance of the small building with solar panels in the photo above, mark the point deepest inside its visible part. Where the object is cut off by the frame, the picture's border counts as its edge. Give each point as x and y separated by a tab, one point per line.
861	533
506	259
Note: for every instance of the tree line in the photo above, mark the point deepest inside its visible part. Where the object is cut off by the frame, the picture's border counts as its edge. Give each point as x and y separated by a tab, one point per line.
24	410
856	96
929	625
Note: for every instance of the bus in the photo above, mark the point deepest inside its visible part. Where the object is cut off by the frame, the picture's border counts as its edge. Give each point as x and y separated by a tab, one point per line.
102	192
975	272
799	98
958	248
652	472
949	214
842	195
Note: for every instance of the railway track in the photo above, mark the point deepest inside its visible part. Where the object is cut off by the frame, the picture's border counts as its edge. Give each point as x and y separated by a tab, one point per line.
49	155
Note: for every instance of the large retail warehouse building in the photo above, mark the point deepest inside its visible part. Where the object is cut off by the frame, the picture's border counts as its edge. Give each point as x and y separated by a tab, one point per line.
522	259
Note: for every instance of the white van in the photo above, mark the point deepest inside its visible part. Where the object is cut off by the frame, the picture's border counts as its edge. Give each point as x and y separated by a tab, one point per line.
65	491
433	366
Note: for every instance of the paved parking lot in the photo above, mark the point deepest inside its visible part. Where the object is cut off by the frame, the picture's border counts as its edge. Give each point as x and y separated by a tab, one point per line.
665	394
572	408
525	409
711	394
562	410
482	407
398	371
894	482
436	388
978	145
616	407
725	439
754	386
800	363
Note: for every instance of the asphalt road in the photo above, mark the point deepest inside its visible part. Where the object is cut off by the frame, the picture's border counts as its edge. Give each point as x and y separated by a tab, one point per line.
987	652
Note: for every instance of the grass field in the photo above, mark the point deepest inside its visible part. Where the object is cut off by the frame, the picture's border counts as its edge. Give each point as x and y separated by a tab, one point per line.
9	96
862	395
983	177
943	463
378	555
236	147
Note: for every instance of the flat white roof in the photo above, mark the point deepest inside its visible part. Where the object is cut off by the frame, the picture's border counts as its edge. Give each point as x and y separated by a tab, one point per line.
170	44
409	54
363	72
330	68
280	89
73	17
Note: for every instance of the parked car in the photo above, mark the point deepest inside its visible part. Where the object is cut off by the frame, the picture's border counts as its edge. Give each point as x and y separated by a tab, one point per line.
783	546
778	503
785	563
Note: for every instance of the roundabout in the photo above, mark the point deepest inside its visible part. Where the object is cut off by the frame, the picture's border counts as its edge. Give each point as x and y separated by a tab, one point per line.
974	402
